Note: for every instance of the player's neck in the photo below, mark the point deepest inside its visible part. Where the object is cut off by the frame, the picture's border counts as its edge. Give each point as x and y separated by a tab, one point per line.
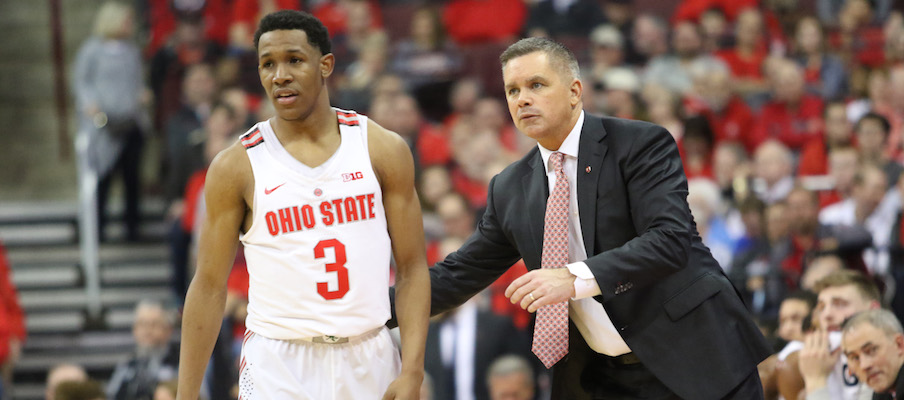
319	123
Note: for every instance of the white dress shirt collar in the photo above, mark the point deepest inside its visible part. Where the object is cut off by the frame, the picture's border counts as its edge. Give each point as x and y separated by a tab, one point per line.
569	145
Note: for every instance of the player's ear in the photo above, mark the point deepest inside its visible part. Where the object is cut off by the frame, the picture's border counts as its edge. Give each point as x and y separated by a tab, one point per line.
327	63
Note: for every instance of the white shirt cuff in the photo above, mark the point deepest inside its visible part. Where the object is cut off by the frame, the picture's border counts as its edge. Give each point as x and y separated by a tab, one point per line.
585	284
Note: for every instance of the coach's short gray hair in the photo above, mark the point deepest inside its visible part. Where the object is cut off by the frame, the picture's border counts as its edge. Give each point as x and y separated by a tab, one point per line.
559	55
883	320
511	364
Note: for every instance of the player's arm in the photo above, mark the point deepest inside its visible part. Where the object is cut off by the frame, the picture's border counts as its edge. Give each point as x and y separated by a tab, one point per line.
227	180
394	166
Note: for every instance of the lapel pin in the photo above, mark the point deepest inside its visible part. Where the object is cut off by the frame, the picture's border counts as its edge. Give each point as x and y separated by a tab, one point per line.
587	169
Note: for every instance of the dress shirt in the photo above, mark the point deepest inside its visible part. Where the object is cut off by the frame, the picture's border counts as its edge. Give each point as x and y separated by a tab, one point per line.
588	315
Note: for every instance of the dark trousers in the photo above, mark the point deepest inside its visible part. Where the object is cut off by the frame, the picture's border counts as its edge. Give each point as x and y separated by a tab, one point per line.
606	379
128	164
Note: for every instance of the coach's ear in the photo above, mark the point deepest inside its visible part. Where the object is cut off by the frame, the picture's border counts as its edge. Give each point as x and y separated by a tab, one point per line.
577	90
327	63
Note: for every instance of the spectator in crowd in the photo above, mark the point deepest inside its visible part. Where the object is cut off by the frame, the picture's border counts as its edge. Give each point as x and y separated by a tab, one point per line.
843	165
673	70
356	85
154	360
810	238
759	272
703	198
663	107
79	390
814	158
511	378
829	10
484	21
62	373
747	57
820	267
649	38
607	46
186	46
428	62
877	96
696	147
617	94
110	98
859	37
715	29
865	208
823	72
873	342
791	116
463	343
872	140
731	167
199	90
773	167
728	114
462	98
824	368
794	317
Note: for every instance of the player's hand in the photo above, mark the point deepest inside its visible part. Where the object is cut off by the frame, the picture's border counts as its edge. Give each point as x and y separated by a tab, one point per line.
541	287
406	387
816	360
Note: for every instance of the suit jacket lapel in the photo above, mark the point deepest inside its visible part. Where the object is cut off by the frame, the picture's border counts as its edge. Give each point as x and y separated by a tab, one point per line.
536	191
591	151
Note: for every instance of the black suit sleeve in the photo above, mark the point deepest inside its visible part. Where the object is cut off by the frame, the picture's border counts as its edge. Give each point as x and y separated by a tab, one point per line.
486	255
657	196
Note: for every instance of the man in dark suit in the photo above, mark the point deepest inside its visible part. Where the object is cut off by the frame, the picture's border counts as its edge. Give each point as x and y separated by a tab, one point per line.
461	347
649	312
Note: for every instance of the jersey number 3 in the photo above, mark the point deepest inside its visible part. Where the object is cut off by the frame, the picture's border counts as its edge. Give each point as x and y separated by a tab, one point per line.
338	267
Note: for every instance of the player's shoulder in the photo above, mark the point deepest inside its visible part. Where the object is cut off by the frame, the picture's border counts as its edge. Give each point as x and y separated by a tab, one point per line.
383	142
231	165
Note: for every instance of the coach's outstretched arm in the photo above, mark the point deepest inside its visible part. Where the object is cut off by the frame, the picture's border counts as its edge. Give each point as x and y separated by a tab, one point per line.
227	183
394	167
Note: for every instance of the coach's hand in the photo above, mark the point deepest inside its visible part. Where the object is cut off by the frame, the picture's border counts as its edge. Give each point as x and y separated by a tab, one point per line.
541	287
406	387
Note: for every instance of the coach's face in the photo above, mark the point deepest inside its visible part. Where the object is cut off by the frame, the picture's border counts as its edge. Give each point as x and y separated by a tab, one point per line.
543	98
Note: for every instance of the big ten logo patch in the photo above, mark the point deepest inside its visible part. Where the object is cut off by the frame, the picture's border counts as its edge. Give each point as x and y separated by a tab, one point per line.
353	176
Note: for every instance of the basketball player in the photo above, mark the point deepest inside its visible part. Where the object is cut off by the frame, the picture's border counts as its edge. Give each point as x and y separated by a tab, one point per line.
317	194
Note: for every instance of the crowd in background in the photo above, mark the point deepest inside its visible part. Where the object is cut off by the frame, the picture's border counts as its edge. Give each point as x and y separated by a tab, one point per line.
789	119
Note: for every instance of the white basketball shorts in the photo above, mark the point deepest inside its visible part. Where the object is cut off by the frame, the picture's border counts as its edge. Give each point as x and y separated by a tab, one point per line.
362	368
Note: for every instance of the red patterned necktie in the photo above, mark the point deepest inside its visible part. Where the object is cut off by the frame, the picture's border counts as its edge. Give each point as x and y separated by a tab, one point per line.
551	326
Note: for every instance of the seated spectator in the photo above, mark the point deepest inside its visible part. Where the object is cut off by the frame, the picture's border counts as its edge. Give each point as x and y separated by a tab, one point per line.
791	116
820	267
814	158
823	72
873	343
703	199
510	378
730	117
747	57
355	86
617	94
663	108
829	10
62	373
731	168
673	70
773	165
606	50
859	37
84	390
649	39
154	359
715	28
464	95
872	132
696	147
826	374
810	238
865	208
428	62
759	272
793	322
843	165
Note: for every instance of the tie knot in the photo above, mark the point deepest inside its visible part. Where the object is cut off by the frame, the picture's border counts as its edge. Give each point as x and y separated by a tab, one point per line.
557	159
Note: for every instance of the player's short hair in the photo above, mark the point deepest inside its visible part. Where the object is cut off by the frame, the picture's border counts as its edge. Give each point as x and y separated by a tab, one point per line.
318	36
881	319
845	277
560	56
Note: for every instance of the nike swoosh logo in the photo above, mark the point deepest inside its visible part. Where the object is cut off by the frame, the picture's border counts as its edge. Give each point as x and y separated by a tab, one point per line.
268	191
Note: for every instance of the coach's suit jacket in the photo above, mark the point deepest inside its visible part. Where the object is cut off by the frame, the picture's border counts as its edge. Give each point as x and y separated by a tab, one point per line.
660	285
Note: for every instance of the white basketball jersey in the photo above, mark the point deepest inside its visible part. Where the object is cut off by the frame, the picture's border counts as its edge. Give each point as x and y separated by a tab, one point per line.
318	248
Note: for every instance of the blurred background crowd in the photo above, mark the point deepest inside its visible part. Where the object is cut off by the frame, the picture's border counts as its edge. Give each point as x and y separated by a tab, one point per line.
789	116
